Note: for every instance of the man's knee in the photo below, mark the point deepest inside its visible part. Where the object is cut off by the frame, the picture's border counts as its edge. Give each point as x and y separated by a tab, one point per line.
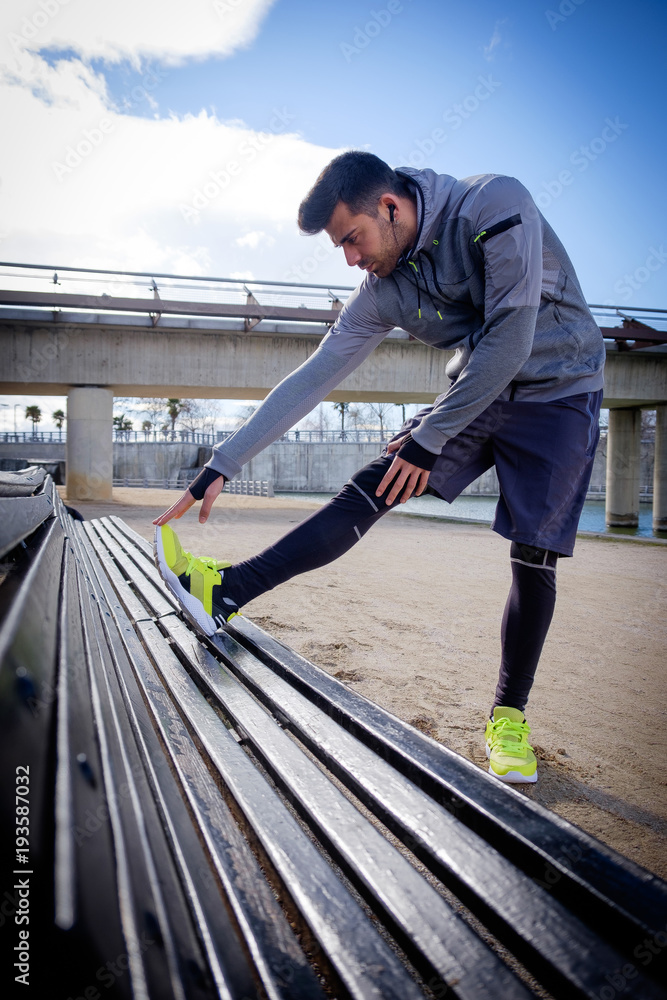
372	474
530	555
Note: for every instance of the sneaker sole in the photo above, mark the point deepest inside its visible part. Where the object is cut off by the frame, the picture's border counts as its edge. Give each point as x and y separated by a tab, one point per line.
193	608
512	777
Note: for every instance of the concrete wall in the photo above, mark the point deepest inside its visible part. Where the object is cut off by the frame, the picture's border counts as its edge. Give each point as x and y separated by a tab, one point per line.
316	468
135	459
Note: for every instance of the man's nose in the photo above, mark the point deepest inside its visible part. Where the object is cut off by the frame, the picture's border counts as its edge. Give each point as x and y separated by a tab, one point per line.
352	255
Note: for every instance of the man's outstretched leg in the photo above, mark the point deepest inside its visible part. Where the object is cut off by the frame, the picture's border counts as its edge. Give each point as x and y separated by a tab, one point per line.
212	591
526	620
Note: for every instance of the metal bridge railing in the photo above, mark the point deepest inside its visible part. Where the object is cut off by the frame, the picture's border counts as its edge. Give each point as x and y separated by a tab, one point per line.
250	300
205	438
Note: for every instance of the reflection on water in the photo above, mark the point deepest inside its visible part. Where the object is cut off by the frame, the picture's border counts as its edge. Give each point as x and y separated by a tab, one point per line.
481	508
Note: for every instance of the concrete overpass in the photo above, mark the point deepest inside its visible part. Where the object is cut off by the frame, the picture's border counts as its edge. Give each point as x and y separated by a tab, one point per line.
160	342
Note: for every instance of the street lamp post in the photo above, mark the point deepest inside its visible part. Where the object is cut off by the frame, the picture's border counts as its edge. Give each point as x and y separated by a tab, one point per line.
15	405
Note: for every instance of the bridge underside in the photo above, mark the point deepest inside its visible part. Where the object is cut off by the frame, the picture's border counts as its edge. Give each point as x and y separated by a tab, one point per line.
91	360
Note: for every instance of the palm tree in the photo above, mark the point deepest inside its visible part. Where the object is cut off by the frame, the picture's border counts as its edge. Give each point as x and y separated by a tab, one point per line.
342	409
35	414
58	418
147	427
123	426
174	408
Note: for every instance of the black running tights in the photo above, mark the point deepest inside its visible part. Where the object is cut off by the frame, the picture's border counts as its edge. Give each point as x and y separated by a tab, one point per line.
339	524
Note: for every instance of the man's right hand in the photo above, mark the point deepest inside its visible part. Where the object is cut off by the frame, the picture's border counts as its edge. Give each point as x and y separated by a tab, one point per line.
187	500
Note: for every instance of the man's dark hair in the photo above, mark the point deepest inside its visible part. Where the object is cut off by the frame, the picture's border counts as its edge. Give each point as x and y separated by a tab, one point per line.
358	179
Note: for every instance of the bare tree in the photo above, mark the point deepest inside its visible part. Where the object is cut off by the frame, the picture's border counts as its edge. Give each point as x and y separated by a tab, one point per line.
381	411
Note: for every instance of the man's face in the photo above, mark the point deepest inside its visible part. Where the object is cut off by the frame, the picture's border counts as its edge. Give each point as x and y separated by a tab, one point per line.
372	244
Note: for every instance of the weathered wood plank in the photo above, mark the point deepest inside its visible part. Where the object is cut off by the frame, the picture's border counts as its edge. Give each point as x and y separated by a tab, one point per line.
20	516
594	880
440	944
358	955
261	926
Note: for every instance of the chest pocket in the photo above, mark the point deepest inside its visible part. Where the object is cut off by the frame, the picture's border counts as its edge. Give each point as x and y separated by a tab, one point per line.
447	261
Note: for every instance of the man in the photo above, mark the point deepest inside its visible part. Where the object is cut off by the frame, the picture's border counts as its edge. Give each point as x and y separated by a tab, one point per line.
469	265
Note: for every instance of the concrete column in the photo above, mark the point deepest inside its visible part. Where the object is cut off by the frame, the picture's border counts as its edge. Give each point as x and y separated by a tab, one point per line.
89	444
660	470
623	454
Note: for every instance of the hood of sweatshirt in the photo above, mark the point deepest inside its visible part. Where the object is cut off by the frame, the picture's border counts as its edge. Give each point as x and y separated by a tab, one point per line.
432	192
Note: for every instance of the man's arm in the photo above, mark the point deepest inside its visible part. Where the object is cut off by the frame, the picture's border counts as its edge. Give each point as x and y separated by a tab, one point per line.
357	331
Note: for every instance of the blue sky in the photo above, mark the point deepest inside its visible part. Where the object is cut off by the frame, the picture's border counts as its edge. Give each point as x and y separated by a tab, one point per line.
566	96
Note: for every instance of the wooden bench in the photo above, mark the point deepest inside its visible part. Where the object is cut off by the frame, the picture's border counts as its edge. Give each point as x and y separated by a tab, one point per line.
222	818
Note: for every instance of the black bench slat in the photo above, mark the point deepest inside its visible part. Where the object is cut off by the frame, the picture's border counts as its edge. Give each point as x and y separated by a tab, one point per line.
228	965
137	590
22	483
139	561
138	570
29	600
592	881
283	968
148	890
506	900
226	821
360	958
596	881
438	942
83	838
20	516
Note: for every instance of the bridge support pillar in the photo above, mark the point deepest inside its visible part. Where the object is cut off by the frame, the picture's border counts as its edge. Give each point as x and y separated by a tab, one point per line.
623	454
660	470
89	443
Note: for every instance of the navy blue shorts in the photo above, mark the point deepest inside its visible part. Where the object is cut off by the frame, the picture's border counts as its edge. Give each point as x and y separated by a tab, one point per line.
543	454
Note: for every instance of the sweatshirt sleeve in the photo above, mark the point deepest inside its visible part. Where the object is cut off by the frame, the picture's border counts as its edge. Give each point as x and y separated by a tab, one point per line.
356	332
509	229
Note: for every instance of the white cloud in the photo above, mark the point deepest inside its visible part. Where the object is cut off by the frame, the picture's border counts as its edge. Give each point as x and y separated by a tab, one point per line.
169	30
82	185
255	239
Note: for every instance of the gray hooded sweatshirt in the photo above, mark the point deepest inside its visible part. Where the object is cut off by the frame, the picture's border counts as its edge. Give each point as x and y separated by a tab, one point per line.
488	278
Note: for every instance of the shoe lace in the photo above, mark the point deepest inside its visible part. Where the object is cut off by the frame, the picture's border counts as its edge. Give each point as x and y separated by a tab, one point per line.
200	562
511	737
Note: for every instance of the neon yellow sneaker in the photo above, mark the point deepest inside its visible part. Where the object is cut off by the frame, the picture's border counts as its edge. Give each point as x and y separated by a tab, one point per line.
196	583
511	756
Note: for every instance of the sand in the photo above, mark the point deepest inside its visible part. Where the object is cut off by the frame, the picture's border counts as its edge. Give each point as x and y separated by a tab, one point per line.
410	617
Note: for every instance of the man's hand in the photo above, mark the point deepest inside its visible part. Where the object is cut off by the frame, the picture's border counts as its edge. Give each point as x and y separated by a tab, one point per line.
409	478
186	501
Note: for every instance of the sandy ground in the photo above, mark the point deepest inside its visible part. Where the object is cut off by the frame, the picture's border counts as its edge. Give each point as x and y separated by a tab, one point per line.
410	617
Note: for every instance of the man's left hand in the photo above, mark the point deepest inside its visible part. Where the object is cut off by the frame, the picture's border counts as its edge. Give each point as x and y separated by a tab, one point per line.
409	478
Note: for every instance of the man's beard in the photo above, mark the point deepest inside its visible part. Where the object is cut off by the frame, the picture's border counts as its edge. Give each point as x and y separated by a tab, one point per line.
392	245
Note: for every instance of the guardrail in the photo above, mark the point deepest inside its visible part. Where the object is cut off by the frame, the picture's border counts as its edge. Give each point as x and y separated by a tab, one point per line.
246	487
139	293
353	436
